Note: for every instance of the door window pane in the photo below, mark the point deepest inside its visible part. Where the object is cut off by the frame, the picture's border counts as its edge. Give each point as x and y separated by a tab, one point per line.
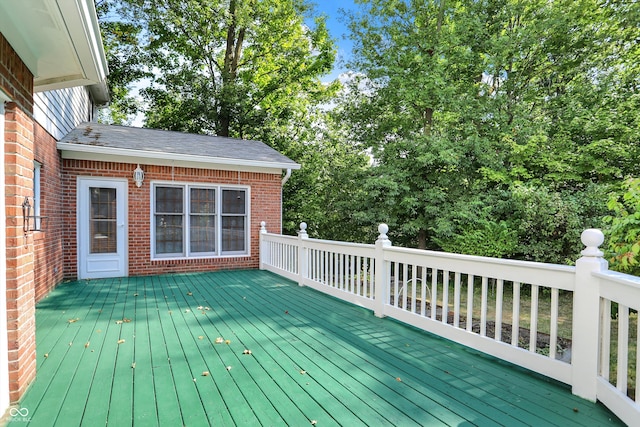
102	220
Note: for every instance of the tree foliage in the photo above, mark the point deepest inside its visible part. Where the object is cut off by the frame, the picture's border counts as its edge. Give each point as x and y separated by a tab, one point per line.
124	57
228	67
498	127
624	229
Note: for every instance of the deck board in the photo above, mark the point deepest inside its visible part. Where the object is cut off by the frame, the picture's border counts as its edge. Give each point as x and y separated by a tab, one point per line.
313	358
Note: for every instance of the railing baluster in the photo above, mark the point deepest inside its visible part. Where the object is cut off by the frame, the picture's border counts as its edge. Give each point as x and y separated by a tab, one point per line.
359	265
483	306
343	274
553	326
623	348
470	278
351	276
414	277
637	358
444	316
605	337
515	321
405	284
434	289
456	300
533	325
499	301
365	279
395	284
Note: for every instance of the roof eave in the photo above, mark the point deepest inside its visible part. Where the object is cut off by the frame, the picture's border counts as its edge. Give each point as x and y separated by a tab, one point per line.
58	40
90	152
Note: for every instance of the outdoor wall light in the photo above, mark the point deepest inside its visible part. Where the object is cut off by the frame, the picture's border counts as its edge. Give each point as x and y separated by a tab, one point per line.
26	214
138	176
31	222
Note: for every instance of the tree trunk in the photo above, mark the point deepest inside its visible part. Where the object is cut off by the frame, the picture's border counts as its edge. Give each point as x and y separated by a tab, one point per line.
233	51
422	239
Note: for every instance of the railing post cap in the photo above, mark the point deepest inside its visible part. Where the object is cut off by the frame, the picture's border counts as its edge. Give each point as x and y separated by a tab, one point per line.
263	227
303	230
383	229
592	238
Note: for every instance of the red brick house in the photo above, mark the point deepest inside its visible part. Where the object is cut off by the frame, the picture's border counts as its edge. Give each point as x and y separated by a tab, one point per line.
71	205
197	207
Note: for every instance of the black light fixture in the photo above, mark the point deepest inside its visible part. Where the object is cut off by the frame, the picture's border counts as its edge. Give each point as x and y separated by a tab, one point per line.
26	214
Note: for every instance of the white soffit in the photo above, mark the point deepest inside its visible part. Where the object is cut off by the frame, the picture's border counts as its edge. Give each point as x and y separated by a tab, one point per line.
58	40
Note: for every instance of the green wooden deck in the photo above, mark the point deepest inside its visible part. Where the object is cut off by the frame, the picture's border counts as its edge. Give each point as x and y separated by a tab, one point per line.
142	351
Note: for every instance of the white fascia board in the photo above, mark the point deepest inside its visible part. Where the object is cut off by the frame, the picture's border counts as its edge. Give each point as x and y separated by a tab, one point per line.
122	155
81	20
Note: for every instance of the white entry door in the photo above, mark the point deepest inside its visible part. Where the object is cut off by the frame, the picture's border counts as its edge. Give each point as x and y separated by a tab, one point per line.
102	248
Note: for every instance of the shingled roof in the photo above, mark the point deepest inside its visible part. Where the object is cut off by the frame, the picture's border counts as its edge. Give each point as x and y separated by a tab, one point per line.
94	141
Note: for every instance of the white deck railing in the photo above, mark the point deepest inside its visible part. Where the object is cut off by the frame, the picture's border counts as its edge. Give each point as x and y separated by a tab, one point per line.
509	309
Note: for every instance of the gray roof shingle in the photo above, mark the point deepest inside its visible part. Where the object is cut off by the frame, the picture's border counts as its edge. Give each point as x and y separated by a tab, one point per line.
150	142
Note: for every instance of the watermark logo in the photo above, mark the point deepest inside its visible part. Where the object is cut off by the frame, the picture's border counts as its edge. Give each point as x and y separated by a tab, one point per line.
19	414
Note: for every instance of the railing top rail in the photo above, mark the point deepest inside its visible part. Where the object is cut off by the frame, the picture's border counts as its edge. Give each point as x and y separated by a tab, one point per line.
311	241
620	278
278	236
340	244
481	259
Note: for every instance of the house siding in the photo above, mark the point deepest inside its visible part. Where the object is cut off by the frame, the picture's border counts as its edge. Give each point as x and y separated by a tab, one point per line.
60	111
17	81
265	206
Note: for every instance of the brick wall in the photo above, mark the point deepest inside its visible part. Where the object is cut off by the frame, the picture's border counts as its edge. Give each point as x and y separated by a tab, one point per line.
265	206
48	267
17	81
15	78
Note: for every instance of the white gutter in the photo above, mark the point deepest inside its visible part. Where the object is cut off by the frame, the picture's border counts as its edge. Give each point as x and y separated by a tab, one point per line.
80	151
286	177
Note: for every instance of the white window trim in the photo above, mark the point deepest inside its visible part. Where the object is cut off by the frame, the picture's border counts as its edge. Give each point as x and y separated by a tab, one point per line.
186	253
37	195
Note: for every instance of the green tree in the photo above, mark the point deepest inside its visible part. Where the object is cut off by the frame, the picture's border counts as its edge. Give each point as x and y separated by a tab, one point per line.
623	231
503	120
227	67
124	57
418	105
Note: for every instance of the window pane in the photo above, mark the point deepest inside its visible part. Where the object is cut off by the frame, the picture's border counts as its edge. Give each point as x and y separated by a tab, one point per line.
169	236
102	220
203	233
169	200
233	234
203	201
233	201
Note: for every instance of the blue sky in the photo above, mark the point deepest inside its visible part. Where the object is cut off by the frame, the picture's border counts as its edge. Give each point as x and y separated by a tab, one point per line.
337	28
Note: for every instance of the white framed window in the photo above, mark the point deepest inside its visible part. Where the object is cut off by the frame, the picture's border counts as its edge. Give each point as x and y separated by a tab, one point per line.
199	221
37	197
